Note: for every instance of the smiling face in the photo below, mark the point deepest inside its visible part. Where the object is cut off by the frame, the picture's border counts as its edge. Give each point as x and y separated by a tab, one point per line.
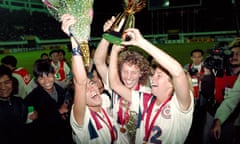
93	95
46	82
160	81
6	86
130	75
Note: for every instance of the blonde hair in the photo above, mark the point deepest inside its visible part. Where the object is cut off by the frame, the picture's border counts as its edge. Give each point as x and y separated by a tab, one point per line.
134	58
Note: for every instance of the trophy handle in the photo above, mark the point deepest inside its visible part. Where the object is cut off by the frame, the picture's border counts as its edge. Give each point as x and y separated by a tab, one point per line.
123	21
119	22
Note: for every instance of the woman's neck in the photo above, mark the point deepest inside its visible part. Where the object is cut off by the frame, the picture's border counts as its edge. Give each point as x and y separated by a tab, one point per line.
160	101
162	97
95	108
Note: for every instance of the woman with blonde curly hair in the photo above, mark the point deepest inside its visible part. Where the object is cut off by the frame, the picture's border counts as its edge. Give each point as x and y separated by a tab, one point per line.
134	70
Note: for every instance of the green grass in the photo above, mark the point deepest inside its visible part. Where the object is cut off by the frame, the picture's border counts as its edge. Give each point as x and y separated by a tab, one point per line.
27	59
179	51
182	51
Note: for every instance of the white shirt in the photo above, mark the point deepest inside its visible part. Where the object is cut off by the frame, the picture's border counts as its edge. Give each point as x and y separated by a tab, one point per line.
88	132
170	127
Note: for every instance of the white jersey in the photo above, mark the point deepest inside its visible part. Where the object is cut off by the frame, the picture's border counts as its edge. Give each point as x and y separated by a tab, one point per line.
62	73
170	127
91	132
124	138
106	103
25	85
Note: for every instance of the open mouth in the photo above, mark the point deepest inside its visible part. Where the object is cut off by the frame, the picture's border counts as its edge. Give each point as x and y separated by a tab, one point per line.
47	85
154	85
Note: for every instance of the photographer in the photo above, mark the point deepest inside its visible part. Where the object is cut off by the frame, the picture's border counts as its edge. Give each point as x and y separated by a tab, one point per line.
195	69
226	120
221	71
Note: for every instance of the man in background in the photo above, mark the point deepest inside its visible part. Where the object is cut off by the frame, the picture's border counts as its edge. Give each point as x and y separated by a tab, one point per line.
25	85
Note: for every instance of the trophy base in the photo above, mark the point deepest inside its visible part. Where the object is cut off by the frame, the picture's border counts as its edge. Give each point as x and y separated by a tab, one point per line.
113	37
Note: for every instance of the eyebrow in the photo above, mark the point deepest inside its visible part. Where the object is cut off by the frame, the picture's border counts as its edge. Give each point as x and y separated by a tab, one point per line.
6	80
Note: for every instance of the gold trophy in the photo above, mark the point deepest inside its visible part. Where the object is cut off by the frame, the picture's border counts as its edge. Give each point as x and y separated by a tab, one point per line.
124	20
82	10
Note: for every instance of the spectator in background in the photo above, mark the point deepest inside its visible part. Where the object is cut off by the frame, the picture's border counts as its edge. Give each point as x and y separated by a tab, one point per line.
13	111
25	85
52	104
62	56
195	69
216	89
226	124
44	56
61	68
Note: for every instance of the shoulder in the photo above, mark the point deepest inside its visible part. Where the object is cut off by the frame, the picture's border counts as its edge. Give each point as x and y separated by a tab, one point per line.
16	98
60	90
18	102
145	89
36	91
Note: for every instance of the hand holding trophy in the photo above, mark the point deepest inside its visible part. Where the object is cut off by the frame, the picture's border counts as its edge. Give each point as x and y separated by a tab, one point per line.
82	10
124	20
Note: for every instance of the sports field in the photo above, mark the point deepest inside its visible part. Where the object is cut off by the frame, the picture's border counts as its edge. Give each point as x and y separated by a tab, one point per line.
180	51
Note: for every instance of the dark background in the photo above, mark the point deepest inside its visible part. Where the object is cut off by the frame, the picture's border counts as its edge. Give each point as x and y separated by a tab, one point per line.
211	15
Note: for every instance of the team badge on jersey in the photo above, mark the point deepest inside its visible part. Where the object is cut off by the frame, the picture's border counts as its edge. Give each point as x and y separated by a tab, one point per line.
166	113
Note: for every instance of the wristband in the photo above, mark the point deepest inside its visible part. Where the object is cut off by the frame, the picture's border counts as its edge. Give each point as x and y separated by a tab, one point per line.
76	51
70	33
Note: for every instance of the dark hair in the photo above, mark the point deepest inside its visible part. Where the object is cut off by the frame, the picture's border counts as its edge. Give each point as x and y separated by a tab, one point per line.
197	50
9	60
42	67
44	54
53	51
5	71
61	51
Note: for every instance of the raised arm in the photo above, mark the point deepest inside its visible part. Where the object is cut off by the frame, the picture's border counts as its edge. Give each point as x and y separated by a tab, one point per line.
114	79
180	81
79	73
101	52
